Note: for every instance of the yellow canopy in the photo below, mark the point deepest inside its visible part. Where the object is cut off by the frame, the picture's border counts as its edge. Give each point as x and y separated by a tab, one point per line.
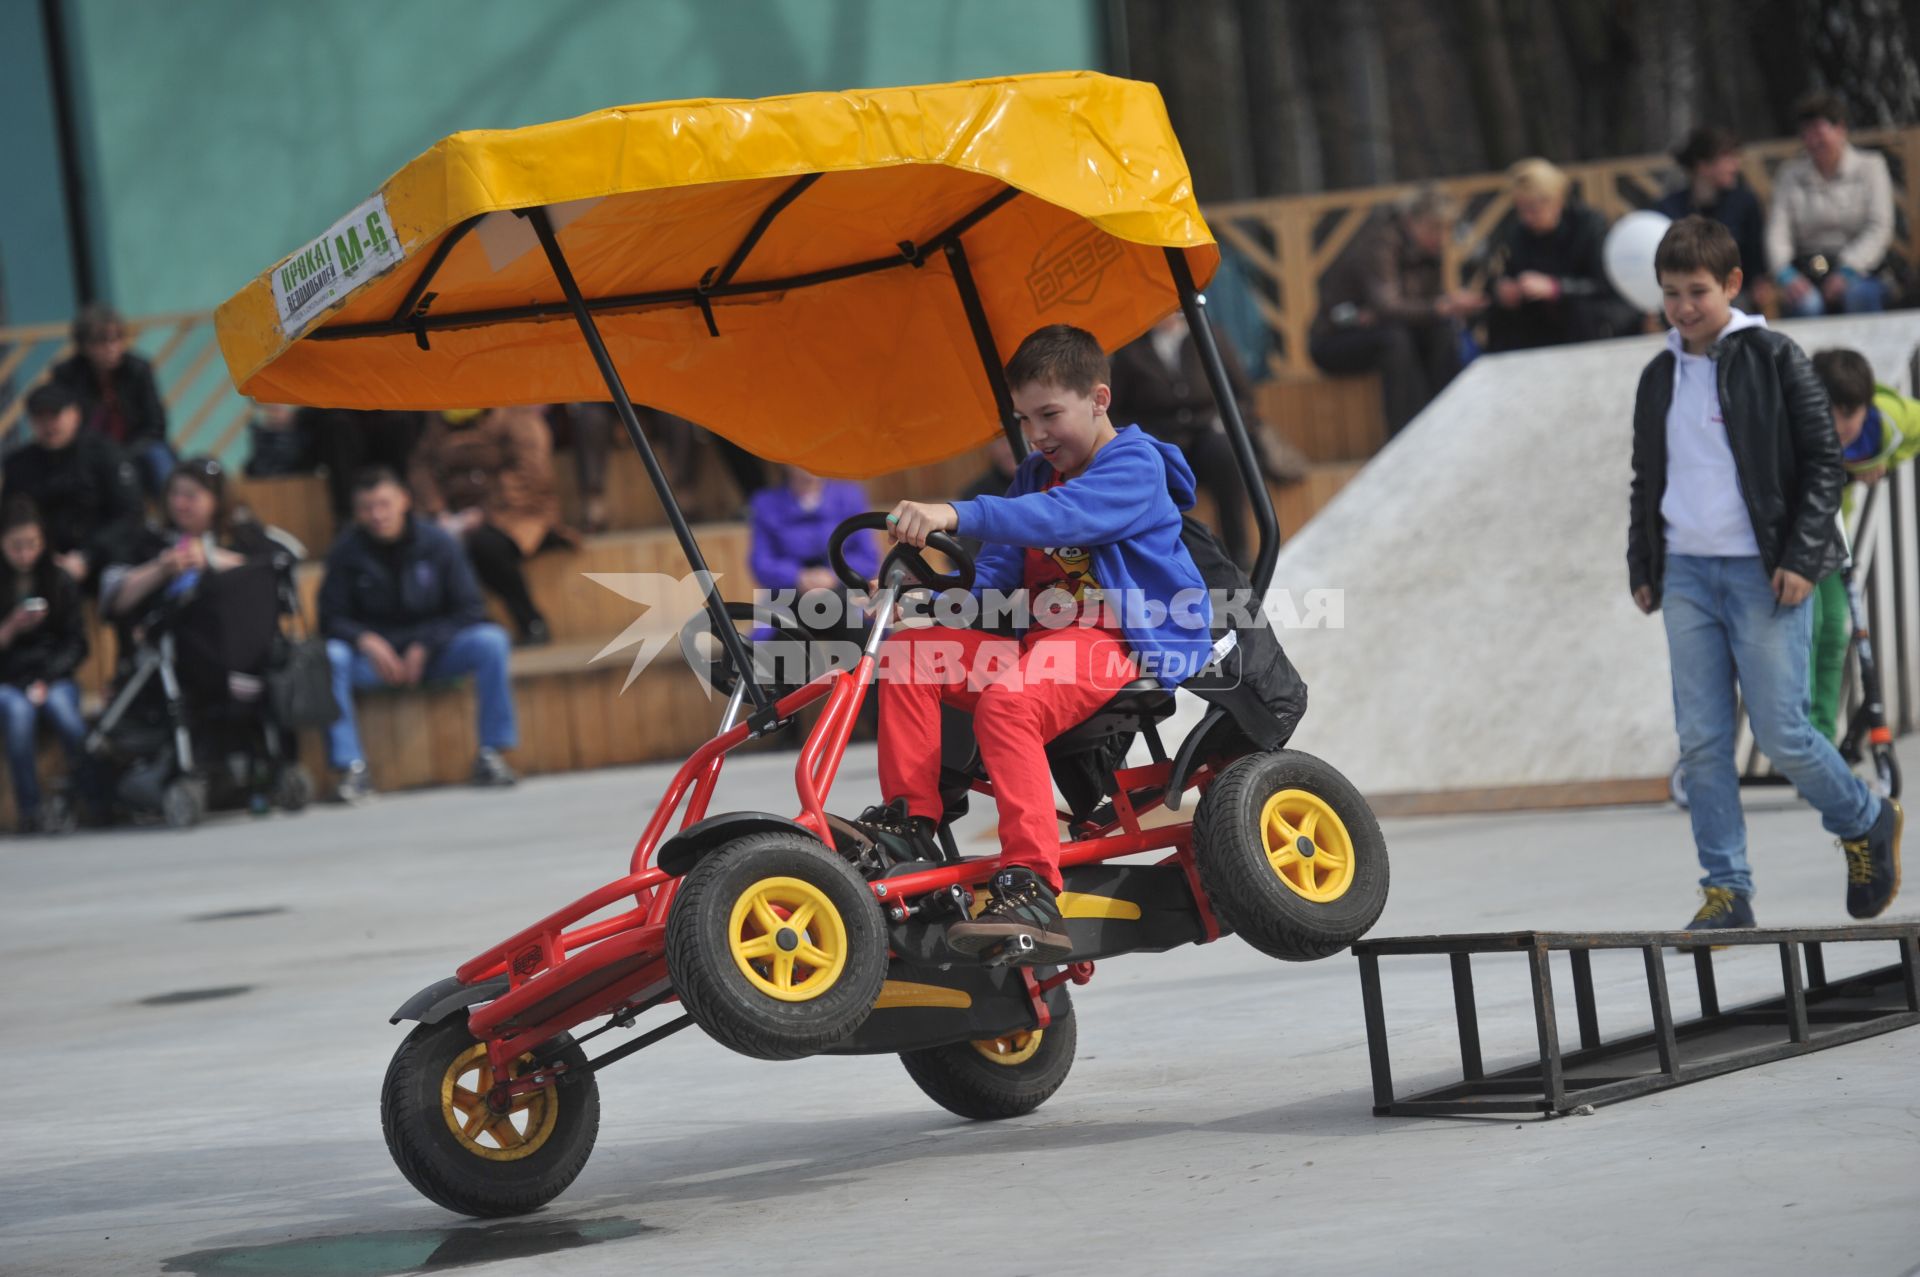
772	269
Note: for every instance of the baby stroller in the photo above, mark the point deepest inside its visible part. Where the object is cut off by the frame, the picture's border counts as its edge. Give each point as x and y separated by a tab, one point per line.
194	723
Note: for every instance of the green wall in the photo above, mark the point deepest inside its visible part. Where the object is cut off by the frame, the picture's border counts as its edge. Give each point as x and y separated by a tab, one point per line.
34	261
224	133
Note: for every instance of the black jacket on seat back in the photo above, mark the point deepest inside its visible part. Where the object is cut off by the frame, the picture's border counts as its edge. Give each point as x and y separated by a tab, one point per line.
1780	428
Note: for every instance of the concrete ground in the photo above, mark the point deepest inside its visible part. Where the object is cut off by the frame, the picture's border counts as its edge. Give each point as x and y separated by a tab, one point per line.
199	1033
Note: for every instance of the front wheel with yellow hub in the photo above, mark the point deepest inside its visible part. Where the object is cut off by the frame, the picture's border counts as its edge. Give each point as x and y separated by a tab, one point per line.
776	946
994	1078
1290	855
464	1143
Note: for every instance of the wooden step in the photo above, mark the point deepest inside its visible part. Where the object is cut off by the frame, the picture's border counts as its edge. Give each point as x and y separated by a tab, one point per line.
580	609
574	713
294	503
1329	418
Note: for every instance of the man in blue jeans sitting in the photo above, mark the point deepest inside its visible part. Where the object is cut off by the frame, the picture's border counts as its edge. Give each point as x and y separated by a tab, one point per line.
400	605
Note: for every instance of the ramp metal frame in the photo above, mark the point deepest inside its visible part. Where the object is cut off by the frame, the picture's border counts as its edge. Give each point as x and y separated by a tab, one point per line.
1811	1013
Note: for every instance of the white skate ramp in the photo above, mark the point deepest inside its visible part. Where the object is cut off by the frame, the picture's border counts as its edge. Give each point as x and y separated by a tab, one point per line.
1488	638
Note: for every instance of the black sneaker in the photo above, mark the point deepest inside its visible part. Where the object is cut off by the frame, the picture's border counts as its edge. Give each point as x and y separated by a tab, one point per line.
1723	909
490	771
899	836
536	634
1023	905
1873	863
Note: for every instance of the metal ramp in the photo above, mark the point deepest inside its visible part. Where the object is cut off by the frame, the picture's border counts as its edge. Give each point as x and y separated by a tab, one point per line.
1810	1013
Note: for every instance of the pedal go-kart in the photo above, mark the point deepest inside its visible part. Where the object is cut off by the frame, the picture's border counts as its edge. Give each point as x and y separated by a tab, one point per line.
830	280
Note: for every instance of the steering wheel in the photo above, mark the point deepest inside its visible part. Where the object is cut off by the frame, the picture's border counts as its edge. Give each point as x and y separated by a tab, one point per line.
905	557
715	667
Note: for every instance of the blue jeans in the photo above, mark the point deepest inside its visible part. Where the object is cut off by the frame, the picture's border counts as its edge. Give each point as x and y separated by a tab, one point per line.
20	719
480	650
1865	295
1725	628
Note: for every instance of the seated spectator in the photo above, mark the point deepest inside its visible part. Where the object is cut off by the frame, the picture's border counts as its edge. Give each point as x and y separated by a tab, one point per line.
1546	275
592	429
276	444
400	606
1710	157
1383	309
42	642
1831	219
488	478
201	535
1159	384
789	525
86	491
345	441
118	396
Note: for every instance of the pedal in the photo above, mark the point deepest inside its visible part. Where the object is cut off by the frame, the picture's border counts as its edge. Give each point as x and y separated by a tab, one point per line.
1010	952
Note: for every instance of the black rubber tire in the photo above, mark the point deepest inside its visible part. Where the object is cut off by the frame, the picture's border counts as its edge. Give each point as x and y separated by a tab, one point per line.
183	803
1245	891
434	1161
961	1080
718	994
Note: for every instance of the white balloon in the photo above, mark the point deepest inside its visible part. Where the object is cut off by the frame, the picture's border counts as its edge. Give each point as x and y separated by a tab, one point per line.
1628	253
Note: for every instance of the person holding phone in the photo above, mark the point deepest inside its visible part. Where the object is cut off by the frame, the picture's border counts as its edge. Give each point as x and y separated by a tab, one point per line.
43	639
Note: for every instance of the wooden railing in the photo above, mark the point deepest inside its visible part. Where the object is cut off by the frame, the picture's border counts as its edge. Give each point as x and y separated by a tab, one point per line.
205	415
1288	243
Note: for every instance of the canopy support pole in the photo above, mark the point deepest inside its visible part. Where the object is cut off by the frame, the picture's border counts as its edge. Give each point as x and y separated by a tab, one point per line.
764	714
983	342
1195	307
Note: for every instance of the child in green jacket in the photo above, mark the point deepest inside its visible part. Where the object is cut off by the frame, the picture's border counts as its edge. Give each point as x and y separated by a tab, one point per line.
1879	429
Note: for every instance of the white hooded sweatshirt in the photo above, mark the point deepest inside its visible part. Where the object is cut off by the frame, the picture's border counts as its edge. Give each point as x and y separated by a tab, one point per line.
1703	508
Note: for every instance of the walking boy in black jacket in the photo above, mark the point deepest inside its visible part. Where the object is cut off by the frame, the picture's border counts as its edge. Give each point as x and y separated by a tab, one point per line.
1736	483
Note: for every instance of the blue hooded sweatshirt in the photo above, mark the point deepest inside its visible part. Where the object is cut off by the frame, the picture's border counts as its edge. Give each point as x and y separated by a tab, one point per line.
1125	508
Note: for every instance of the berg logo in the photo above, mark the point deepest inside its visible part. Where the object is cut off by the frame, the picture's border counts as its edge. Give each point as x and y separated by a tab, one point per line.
1067	269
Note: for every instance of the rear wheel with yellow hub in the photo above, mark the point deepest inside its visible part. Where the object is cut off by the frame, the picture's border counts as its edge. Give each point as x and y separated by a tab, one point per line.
1290	855
776	946
1007	1076
468	1146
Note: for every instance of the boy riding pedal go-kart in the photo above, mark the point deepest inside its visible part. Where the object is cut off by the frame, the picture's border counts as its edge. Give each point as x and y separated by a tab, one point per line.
856	243
1086	540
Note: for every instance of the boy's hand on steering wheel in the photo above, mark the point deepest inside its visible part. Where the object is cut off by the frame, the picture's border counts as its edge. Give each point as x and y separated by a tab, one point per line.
911	521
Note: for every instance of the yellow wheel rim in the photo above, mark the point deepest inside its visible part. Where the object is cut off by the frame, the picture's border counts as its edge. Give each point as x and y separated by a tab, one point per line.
498	1137
1308	845
788	939
1015	1048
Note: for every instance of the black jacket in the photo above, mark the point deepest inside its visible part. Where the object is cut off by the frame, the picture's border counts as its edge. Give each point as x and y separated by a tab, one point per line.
137	415
54	648
88	496
1572	253
419	589
1784	448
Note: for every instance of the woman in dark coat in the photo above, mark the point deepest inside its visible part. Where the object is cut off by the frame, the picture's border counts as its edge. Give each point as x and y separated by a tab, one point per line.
1547	275
43	640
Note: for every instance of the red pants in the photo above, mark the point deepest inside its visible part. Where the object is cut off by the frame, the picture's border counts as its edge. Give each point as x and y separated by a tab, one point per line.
1021	695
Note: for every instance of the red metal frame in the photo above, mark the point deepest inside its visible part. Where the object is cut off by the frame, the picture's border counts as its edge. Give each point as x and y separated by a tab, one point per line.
546	958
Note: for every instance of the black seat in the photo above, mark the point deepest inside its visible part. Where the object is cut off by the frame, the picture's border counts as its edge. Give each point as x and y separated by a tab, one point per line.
1134	708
